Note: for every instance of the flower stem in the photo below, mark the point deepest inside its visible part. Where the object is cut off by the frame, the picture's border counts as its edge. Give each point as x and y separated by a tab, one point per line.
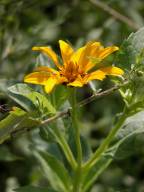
77	179
106	142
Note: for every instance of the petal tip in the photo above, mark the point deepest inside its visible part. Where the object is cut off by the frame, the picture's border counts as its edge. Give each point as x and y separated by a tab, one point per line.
116	48
35	48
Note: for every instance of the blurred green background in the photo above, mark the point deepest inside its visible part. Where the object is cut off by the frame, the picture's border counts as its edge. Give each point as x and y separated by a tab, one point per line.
25	23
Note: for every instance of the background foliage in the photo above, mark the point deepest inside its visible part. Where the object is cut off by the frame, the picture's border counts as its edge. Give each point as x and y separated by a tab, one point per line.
25	23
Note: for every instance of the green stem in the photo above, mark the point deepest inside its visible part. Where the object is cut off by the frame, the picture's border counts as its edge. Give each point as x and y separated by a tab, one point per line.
106	142
77	179
66	149
97	173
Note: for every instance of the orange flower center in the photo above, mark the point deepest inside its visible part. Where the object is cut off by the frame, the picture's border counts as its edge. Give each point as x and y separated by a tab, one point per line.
71	71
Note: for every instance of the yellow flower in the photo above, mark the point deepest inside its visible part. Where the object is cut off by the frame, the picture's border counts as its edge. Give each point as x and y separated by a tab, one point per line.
76	68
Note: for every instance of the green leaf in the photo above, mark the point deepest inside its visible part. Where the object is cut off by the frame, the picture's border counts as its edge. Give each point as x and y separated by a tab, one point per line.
47	134
126	143
58	168
130	49
94	172
86	149
54	171
7	155
129	137
17	119
60	95
29	99
34	189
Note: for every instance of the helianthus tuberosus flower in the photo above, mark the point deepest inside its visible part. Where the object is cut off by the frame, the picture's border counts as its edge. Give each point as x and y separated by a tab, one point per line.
76	68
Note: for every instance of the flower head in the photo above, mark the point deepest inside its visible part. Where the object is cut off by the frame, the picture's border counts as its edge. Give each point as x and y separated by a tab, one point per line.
76	68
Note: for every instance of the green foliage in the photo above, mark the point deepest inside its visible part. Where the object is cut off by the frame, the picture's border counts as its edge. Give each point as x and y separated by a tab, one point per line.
54	171
129	137
131	56
130	49
60	96
17	119
7	155
126	143
30	100
58	168
34	189
30	23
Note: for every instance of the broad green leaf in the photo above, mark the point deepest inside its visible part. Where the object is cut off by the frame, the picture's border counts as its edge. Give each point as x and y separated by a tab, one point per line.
129	137
126	143
130	49
58	168
60	95
17	119
30	99
34	189
47	172
54	171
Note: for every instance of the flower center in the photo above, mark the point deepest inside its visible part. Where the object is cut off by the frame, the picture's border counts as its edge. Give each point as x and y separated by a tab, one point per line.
70	71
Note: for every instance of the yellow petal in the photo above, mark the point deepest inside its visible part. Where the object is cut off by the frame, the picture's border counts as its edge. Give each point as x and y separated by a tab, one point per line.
76	55
50	84
39	78
98	74
66	51
107	51
93	58
49	52
77	83
112	71
98	53
47	69
92	62
83	54
84	57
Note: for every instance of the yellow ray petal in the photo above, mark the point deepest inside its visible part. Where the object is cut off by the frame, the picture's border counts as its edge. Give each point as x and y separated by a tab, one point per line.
88	51
84	57
77	83
76	55
107	51
39	78
49	52
50	84
112	71
98	74
92	62
66	51
93	58
47	69
53	81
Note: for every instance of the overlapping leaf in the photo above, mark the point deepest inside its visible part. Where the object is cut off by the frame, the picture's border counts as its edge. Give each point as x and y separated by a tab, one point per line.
126	143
